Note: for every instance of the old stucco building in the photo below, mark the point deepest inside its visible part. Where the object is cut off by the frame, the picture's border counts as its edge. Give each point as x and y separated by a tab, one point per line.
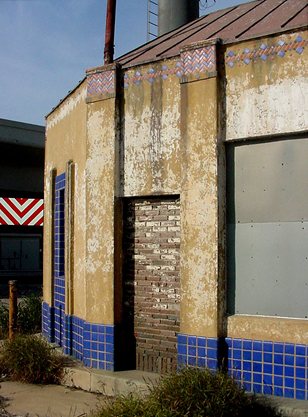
176	203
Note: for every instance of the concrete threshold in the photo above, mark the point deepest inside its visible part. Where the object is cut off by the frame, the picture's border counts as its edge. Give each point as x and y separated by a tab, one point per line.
107	382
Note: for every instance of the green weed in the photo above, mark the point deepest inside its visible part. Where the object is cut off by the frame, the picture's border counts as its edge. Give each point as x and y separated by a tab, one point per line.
29	358
191	392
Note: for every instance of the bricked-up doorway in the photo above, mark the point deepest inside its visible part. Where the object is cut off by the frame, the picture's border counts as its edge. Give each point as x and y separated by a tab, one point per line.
151	290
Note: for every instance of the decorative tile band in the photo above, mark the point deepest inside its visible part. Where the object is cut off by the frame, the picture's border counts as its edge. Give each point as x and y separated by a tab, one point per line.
200	61
48	322
101	83
91	343
203	352
194	62
270	367
265	52
59	279
150	75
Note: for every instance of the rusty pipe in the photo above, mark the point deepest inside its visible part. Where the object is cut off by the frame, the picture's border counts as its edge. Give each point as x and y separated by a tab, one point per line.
109	33
12	308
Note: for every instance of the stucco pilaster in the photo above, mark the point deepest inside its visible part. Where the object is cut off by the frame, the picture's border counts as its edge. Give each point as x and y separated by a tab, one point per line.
100	193
200	239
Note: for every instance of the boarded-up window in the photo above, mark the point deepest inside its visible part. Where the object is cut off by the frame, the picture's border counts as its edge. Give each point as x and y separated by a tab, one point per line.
268	228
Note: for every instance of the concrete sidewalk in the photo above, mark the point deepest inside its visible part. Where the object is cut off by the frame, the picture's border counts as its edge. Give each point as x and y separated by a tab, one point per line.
47	400
86	389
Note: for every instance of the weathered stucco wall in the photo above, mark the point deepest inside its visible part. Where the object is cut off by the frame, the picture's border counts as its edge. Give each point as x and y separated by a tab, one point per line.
66	140
268	328
151	130
266	86
100	185
199	208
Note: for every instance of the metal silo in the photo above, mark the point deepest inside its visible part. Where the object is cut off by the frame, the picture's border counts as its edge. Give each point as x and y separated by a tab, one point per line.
175	13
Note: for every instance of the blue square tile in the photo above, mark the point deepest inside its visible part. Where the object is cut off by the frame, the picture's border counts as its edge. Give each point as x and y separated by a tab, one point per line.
247	376
257	356
109	338
247	355
300	350
110	330
109	348
101	337
267	346
94	328
192	361
237	343
86	335
247	366
278	347
212	343
211	353
268	357
278	359
191	351
257	378
278	370
86	353
201	341
212	364
289	393
182	339
237	364
278	391
87	362
182	349
289	371
289	382
300	372
300	361
247	344
257	367
237	354
192	341
257	345
267	368
300	395
300	384
201	362
201	352
257	388
247	386
109	357
289	360
268	390
278	381
289	348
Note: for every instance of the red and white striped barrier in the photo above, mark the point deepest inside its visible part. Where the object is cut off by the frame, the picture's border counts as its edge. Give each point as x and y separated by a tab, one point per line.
21	211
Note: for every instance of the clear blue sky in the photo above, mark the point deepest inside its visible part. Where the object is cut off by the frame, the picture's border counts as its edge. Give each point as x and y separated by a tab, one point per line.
46	46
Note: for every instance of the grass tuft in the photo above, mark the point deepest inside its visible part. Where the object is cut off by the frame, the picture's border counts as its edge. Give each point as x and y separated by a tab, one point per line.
29	358
191	392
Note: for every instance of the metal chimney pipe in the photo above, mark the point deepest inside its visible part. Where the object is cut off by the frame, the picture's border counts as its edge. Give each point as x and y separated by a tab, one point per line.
175	13
109	33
